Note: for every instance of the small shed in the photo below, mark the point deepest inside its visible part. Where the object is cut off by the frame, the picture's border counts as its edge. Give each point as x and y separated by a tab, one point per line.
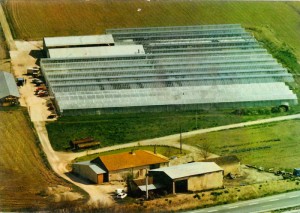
195	176
9	93
89	171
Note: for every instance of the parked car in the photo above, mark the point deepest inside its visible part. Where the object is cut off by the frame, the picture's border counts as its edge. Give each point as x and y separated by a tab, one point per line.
52	116
42	94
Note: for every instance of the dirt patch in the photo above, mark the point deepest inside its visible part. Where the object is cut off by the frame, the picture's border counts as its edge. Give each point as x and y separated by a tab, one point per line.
21	59
62	193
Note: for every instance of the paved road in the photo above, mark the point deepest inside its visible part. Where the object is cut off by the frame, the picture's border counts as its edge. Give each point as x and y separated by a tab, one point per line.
265	204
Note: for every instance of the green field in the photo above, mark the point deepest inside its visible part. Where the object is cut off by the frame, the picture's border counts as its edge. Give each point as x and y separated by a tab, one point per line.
112	129
274	145
163	150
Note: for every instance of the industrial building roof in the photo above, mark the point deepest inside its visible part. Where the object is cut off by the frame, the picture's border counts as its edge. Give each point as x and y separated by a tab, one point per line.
8	85
182	65
92	166
205	94
78	52
189	169
127	160
65	41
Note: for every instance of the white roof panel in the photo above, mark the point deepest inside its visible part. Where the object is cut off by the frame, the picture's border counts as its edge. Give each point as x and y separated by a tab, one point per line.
92	166
189	169
8	85
79	52
78	40
206	94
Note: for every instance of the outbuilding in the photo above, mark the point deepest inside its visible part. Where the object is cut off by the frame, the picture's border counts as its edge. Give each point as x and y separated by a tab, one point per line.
136	162
197	176
116	167
89	171
9	94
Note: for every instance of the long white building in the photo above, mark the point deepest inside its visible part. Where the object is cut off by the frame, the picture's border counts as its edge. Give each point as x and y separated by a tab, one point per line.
174	68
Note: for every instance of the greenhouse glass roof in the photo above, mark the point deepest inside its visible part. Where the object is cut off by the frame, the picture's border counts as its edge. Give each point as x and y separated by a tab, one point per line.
210	64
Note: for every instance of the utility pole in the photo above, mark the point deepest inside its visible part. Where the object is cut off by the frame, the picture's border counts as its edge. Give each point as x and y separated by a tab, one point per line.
180	139
147	194
196	120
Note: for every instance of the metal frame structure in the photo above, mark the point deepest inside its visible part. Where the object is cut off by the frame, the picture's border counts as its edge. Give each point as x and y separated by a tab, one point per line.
185	67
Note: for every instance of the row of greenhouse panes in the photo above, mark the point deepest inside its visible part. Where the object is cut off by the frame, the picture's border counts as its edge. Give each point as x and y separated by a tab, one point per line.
183	67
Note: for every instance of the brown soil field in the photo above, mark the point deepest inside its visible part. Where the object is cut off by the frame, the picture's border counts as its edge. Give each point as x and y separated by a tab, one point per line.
35	19
26	184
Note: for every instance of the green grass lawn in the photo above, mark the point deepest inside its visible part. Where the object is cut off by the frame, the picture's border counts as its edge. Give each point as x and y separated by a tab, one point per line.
112	129
163	150
274	145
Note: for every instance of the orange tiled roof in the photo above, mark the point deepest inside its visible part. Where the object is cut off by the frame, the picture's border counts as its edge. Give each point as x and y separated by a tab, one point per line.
127	160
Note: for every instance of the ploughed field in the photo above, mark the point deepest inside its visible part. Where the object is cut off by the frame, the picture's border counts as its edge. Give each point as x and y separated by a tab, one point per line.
35	19
24	177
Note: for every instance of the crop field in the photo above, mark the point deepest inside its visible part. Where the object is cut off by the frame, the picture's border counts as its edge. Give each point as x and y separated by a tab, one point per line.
274	145
112	129
24	178
34	19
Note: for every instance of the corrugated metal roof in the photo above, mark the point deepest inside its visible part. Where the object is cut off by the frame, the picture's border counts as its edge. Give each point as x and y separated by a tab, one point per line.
94	167
205	94
78	40
189	169
127	160
8	85
79	52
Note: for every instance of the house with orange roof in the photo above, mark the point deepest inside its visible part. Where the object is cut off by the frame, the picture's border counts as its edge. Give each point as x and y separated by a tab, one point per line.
116	166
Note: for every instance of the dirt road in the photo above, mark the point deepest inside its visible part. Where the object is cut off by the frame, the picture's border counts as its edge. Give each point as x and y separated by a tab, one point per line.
98	194
6	30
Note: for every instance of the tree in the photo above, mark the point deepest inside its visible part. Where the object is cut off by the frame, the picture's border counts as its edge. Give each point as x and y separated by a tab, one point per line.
205	149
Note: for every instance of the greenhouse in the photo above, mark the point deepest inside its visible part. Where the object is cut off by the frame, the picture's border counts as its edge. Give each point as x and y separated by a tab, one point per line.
181	68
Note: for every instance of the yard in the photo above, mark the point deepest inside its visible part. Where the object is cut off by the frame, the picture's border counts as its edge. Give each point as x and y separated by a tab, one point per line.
112	129
27	183
273	145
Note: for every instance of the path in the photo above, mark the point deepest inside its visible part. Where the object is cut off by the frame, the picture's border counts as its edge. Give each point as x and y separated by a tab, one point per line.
173	140
98	194
6	30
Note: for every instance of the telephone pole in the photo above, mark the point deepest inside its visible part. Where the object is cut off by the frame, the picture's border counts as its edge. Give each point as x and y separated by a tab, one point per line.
180	139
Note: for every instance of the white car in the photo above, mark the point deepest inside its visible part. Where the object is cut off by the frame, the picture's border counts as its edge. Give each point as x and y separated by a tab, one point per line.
121	195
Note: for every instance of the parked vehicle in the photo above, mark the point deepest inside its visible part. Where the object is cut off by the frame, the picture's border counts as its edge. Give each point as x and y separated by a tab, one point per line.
42	94
52	116
36	81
